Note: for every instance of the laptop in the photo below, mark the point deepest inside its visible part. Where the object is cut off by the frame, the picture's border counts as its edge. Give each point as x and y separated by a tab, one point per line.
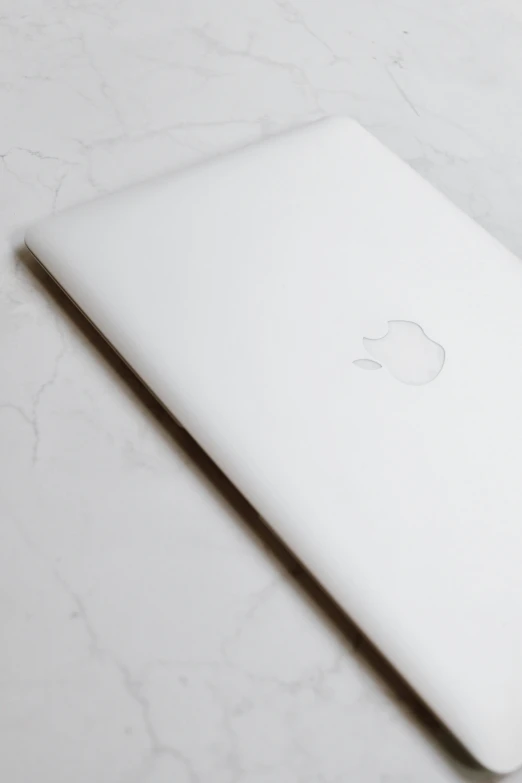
346	345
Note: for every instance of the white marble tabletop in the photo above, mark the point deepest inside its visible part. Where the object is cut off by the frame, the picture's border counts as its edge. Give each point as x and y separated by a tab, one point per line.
148	634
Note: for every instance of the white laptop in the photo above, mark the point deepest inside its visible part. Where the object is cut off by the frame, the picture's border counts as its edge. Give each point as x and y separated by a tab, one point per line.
347	346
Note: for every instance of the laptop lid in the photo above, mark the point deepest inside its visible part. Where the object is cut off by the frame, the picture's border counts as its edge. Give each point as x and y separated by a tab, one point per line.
345	344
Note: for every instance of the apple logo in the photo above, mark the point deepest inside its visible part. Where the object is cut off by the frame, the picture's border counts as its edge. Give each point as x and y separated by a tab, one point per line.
407	353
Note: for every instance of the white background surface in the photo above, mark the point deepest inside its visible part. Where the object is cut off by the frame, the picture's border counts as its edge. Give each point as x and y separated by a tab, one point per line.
146	635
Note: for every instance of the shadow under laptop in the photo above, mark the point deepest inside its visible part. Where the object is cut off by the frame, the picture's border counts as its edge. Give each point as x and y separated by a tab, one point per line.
356	643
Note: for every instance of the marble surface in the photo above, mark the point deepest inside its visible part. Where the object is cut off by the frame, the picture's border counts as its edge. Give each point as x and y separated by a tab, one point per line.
149	635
